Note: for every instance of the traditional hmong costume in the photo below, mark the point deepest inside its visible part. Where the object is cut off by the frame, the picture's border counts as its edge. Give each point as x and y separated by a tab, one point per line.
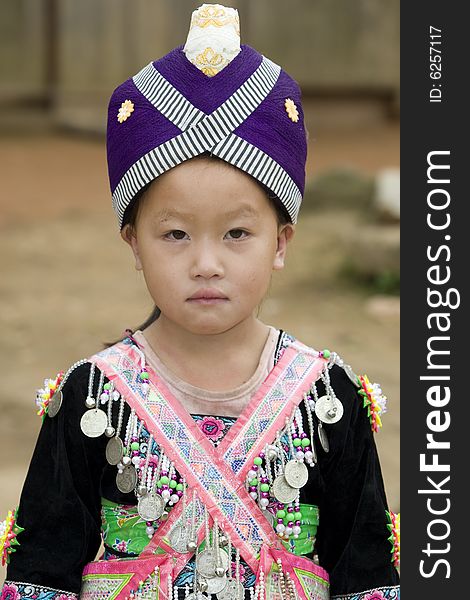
292	491
284	502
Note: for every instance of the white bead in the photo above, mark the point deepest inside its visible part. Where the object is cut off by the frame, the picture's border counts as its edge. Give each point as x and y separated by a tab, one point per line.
166	494
104	398
280	528
296	530
116	395
254	495
264	502
120	471
120	466
296	536
309	455
149	530
251	474
288	531
126	460
174	498
136	461
145	388
300	455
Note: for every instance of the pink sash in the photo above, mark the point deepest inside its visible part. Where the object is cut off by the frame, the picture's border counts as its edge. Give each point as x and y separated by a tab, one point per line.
218	474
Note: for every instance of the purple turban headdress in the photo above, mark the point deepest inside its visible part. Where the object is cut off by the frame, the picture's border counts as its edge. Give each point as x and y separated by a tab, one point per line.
248	114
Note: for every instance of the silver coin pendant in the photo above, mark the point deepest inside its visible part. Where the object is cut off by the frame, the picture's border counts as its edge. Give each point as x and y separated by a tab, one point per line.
350	373
206	563
179	539
196	596
114	450
323	438
269	516
282	491
296	473
150	507
54	404
127	480
329	410
216	584
234	590
94	422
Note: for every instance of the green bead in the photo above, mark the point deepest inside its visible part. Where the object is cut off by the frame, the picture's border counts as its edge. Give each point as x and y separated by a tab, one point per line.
326	353
254	481
144	375
159	483
298	516
305	442
297	442
281	514
258	460
165	480
264	487
179	487
107	386
290	517
135	446
173	484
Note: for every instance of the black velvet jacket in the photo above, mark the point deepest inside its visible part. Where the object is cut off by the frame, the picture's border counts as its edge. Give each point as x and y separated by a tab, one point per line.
61	499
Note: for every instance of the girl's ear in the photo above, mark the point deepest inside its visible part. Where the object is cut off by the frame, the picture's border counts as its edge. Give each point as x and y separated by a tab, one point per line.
128	235
286	233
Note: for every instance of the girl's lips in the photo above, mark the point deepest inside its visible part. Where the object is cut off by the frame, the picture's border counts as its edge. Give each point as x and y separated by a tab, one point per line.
208	294
207	300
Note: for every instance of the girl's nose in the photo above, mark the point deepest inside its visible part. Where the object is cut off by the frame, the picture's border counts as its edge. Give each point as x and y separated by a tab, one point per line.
206	262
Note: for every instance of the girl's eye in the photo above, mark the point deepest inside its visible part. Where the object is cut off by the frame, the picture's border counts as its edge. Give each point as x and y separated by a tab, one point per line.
176	234
237	234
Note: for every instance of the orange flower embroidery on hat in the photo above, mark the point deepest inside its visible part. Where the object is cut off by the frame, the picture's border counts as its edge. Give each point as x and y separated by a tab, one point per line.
127	108
291	109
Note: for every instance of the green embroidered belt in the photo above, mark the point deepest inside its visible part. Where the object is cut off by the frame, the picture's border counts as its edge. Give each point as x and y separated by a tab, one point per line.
125	531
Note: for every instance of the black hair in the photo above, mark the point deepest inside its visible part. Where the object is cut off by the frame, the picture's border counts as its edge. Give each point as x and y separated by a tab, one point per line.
132	212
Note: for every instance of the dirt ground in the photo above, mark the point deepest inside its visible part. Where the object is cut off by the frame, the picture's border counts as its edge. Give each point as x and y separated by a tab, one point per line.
68	282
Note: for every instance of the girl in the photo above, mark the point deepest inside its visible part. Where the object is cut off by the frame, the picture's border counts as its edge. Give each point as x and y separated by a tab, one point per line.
214	455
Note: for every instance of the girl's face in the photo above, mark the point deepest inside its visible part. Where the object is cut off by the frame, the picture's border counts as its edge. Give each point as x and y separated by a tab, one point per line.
207	240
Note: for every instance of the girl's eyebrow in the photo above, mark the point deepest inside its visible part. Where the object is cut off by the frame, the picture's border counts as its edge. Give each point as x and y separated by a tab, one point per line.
242	211
168	213
165	214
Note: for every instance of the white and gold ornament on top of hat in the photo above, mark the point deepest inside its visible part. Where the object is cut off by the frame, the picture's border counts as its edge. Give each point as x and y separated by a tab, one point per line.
213	39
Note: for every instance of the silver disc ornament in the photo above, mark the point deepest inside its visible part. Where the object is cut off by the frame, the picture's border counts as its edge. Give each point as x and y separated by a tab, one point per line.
179	539
216	584
206	563
150	507
114	450
54	404
127	479
197	596
234	590
329	410
94	422
350	373
296	473
282	491
323	438
269	516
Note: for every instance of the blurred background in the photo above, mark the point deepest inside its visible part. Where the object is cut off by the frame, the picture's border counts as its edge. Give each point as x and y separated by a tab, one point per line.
68	282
